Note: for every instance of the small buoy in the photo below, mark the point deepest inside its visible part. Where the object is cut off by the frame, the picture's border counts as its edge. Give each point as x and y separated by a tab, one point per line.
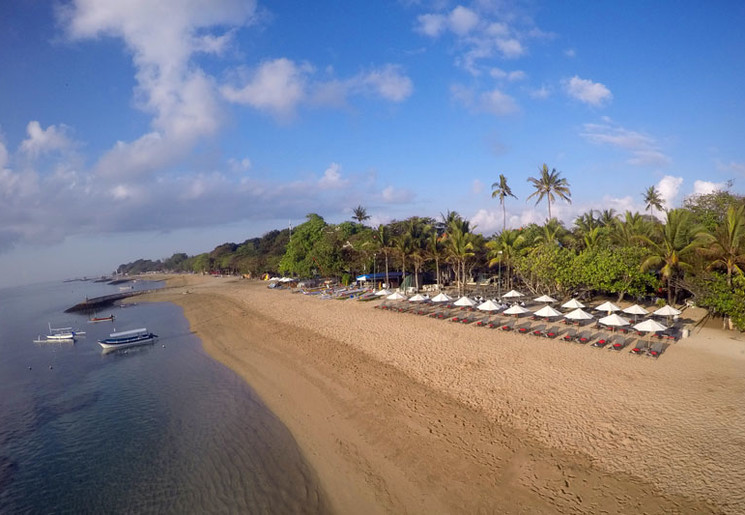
29	367
164	345
50	367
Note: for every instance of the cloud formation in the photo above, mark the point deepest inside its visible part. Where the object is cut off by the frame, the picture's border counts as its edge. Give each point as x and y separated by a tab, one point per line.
644	149
584	90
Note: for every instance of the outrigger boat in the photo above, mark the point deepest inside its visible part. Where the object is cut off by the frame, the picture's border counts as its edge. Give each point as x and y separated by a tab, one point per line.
109	318
124	339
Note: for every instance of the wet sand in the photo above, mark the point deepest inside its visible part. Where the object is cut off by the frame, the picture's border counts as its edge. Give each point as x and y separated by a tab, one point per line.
403	413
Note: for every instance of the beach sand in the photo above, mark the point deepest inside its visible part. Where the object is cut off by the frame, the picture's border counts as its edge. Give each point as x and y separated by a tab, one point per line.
408	414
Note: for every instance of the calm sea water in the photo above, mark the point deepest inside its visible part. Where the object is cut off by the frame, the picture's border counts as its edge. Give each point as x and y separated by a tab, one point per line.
158	428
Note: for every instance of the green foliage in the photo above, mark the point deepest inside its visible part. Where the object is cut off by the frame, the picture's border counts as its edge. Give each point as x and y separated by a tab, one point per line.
714	294
300	257
709	210
613	270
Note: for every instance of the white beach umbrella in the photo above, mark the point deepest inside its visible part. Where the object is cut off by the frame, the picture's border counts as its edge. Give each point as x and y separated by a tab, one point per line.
418	298
607	306
649	326
441	297
635	310
516	310
396	296
382	293
573	304
465	301
667	311
489	305
548	311
512	294
614	320
578	314
545	298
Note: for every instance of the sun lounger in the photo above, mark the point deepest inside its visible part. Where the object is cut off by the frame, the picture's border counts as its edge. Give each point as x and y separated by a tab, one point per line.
620	343
523	328
538	330
601	341
657	348
484	322
570	335
507	326
641	347
584	337
551	332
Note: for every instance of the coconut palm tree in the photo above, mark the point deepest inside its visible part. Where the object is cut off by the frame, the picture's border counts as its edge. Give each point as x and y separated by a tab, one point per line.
725	246
434	249
503	248
607	217
653	199
670	246
501	189
459	246
625	232
550	185
360	214
384	243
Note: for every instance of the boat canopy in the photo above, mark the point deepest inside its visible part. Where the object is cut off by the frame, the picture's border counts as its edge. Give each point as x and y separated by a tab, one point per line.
133	332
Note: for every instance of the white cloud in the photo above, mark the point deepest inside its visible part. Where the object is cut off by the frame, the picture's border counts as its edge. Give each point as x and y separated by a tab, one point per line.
643	148
541	93
281	85
512	76
162	38
669	186
462	20
732	167
332	178
277	86
706	187
487	221
593	93
477	187
392	195
481	31
494	102
40	141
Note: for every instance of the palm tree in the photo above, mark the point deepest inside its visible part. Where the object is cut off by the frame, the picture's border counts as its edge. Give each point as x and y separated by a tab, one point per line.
503	249
607	217
548	185
626	232
382	237
434	249
726	244
552	234
360	214
501	189
670	247
459	246
653	199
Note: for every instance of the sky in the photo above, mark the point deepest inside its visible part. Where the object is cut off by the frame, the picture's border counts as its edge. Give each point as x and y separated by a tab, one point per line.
137	129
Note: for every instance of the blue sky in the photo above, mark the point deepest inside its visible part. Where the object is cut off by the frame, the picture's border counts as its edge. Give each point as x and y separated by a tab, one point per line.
137	129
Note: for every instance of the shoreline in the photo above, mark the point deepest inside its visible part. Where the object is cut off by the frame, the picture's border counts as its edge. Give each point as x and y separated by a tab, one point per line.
403	413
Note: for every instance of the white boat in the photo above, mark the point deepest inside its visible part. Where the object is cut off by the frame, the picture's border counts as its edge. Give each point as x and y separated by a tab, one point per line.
55	338
63	333
124	339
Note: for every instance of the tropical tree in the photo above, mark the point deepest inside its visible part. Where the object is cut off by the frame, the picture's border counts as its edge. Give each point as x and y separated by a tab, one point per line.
670	247
550	185
625	232
459	246
434	249
503	249
653	199
725	245
360	214
384	243
501	190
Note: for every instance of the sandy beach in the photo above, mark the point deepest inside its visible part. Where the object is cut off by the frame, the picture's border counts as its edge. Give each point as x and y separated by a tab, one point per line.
399	413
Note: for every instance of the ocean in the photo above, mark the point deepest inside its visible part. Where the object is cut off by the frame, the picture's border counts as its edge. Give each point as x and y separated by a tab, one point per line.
156	428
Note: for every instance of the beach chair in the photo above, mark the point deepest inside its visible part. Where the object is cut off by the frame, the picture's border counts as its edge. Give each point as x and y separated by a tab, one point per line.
641	347
657	349
471	317
485	321
601	341
508	326
584	337
551	332
620	343
523	328
570	335
538	330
